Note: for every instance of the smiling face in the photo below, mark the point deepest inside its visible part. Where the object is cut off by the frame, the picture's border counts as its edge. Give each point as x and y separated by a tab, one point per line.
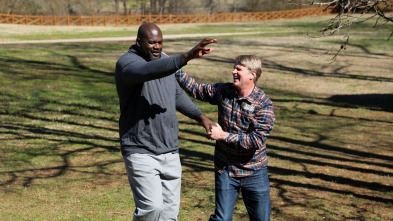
149	41
243	79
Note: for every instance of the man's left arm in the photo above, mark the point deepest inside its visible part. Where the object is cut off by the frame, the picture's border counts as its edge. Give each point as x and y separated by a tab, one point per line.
185	106
261	125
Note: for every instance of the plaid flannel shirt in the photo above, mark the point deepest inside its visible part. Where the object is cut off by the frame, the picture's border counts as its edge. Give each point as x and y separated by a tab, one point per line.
248	120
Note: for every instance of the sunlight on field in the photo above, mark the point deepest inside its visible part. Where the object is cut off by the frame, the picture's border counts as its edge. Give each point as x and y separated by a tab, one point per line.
331	144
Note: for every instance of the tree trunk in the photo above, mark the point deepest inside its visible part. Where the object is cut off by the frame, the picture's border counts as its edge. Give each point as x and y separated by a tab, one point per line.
153	7
117	6
11	8
143	8
162	6
172	7
125	7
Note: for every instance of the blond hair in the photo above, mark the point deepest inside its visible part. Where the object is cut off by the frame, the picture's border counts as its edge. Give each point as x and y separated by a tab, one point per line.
252	63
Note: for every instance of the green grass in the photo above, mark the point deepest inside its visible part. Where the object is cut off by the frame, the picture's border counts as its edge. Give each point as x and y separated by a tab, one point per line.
329	153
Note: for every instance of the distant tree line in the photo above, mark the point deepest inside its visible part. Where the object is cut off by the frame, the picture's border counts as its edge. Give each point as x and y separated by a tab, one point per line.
130	7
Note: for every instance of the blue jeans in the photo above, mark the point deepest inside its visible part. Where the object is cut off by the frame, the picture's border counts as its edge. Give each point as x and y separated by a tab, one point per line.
255	191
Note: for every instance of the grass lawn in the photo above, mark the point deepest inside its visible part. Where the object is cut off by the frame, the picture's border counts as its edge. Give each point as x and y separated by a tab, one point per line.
330	153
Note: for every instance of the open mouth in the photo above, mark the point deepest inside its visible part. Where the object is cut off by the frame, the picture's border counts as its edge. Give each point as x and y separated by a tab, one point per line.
156	54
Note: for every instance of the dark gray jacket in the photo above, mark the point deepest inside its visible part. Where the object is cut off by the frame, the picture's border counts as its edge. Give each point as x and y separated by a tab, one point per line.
149	97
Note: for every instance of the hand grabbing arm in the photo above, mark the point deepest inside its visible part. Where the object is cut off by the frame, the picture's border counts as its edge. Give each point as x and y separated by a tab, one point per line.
216	133
207	124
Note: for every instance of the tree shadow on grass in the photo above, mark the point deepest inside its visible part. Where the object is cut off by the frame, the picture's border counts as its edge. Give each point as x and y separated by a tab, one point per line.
72	109
370	101
336	74
351	160
84	137
340	150
322	155
311	187
277	154
45	114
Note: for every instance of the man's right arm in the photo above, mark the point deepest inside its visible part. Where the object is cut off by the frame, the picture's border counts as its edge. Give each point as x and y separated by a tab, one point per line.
132	69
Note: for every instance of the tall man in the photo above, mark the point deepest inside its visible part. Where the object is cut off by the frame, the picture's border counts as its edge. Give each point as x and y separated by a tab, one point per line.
149	97
245	119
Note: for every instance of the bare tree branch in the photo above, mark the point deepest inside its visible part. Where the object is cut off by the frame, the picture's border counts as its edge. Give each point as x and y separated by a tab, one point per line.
349	12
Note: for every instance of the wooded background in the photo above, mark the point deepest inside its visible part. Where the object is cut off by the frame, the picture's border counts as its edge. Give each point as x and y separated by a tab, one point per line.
126	20
139	7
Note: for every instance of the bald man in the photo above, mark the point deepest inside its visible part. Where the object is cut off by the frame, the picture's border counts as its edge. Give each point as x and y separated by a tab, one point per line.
149	96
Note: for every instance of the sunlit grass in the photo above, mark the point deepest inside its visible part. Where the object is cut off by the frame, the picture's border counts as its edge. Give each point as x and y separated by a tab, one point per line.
331	144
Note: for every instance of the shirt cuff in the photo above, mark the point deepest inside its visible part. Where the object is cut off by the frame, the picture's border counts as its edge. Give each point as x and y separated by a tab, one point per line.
229	137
